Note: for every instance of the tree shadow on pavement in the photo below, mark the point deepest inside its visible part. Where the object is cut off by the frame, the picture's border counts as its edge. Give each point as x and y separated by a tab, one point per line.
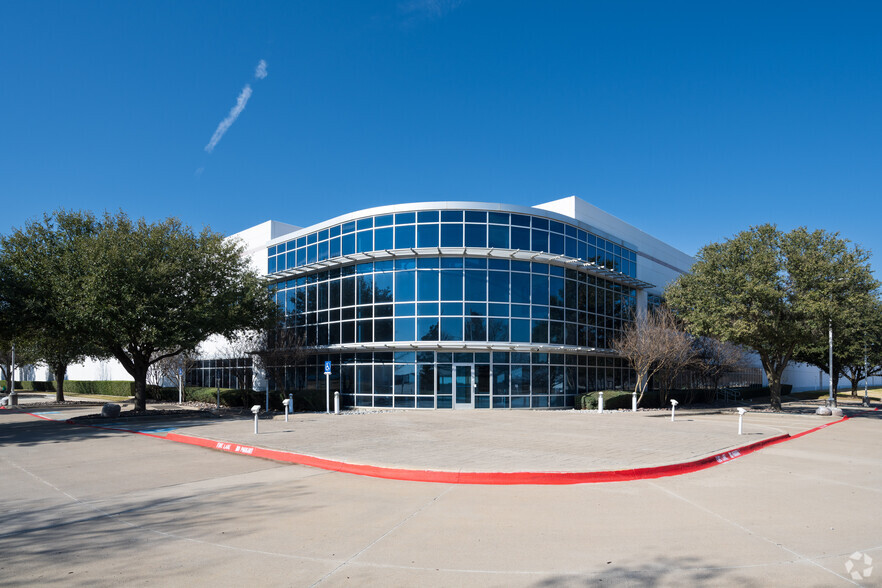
663	571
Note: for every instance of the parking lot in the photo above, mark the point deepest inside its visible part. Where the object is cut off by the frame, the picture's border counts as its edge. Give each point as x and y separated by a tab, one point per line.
91	506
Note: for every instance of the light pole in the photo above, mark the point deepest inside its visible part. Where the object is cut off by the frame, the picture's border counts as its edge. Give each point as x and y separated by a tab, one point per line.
832	400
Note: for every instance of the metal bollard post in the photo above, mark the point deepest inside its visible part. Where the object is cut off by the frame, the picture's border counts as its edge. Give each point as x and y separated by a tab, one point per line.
673	408
336	402
741	412
600	402
255	409
634	402
287	403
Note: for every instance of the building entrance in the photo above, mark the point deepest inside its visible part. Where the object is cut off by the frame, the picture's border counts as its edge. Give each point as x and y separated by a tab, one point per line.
463	384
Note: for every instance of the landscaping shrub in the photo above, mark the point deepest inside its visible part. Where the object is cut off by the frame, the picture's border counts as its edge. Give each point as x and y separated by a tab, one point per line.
612	400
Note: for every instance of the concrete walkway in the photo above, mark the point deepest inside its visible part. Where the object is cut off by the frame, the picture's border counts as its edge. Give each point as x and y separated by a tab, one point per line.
482	441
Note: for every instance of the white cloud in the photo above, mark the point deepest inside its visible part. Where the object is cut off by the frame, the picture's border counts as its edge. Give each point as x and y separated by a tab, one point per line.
260	72
225	124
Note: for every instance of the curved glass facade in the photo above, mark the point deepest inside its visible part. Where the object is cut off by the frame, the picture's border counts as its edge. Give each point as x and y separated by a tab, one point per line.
456	308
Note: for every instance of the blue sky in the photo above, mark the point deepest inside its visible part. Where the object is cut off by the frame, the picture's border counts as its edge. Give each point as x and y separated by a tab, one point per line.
690	120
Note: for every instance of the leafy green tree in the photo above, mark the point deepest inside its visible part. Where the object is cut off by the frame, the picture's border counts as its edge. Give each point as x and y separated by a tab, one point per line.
43	267
156	290
771	291
857	345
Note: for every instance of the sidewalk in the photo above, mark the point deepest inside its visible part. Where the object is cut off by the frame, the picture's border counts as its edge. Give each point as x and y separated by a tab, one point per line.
478	441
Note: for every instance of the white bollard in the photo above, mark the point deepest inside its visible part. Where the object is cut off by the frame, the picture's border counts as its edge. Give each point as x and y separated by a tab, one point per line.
336	402
634	402
255	409
600	402
741	412
673	408
287	404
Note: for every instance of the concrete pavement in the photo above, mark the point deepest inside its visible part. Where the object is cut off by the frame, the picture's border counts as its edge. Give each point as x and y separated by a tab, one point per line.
98	507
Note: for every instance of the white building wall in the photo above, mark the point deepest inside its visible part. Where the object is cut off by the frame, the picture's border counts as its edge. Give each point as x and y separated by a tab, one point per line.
657	262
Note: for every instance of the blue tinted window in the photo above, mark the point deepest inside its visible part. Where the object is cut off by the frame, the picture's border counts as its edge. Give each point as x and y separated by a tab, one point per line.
290	260
451	262
498	236
540	332
427	329
322	251
427	308
498	217
520	238
472	216
334	231
427	262
427	216
451	235
499	286
475	285
405	237
540	223
405	309
556	227
365	286
452	216
451	329
348	244
404	218
427	235
405	286
475	235
520	310
451	285
271	265
383	287
451	308
427	282
364	332
520	220
383	239
348	227
497	310
311	254
555	243
475	329
475	308
520	288
497	329
365	223
383	221
383	330
311	238
334	247
572	248
540	240
365	241
323	235
476	262
540	289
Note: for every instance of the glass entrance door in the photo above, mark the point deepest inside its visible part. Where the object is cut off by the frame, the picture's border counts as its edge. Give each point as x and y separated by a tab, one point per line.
463	384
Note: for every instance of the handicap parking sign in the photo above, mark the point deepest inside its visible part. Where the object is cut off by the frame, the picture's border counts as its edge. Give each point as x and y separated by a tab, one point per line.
327	367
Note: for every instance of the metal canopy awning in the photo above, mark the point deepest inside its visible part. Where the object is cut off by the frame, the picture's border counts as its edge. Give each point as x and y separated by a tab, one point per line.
581	265
467	346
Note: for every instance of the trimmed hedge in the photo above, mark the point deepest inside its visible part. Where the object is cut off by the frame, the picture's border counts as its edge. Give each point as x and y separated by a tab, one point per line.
303	400
102	387
612	400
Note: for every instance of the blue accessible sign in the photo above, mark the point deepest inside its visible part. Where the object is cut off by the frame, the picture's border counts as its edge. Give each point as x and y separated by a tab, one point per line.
327	368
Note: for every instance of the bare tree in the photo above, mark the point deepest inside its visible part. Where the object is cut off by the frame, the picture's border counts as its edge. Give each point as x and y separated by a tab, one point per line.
165	371
654	343
714	359
277	350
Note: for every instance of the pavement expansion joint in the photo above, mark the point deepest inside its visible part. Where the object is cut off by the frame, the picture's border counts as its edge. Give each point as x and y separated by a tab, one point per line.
450	476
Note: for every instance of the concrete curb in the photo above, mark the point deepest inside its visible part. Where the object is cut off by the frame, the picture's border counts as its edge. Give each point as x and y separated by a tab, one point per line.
460	477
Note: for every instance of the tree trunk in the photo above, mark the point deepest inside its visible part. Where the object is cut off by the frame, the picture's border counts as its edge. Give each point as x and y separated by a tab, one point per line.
140	376
58	371
774	389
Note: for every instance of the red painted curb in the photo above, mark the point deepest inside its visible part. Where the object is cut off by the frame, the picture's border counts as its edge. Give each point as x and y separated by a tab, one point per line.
484	478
